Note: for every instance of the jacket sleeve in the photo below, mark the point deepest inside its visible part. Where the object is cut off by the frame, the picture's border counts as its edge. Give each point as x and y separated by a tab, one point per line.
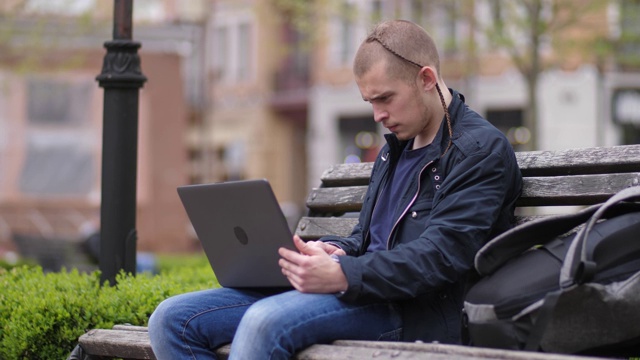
463	214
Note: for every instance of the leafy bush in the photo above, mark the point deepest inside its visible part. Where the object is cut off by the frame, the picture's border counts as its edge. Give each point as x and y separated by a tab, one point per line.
43	314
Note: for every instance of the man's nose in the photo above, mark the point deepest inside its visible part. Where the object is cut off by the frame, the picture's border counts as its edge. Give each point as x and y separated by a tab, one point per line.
379	114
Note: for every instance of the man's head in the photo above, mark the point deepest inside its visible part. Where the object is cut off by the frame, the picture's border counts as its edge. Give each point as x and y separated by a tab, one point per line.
404	46
397	71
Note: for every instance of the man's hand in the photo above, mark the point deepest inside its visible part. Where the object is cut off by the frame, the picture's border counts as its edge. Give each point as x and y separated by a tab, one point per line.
327	247
312	270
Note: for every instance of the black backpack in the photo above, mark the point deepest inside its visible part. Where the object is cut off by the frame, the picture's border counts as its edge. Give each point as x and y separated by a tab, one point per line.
545	288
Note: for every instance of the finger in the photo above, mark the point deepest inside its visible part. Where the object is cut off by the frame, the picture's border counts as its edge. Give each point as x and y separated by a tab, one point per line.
295	284
304	249
340	252
299	244
293	279
334	249
291	256
283	264
315	243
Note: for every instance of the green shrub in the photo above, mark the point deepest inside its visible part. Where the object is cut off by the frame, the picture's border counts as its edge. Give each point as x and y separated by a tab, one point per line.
43	314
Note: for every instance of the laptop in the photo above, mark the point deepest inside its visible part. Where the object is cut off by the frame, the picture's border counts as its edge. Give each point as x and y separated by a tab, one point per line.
240	226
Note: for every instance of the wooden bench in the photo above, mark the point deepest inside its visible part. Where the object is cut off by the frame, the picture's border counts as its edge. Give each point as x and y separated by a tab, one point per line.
551	178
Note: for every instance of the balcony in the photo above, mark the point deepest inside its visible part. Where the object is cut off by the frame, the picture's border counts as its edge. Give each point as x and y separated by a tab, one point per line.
290	91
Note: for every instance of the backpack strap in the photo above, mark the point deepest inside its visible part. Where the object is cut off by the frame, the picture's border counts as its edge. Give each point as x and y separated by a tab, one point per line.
577	266
520	238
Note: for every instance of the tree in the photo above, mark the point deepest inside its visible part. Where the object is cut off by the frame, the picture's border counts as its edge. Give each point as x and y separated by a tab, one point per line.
34	34
523	28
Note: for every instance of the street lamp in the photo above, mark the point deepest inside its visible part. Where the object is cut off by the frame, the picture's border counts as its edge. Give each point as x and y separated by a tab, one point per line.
121	78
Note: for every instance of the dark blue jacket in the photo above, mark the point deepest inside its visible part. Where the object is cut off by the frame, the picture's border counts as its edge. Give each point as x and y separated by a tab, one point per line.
453	204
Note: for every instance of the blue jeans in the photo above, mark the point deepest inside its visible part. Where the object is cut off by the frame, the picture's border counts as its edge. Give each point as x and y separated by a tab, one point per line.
263	326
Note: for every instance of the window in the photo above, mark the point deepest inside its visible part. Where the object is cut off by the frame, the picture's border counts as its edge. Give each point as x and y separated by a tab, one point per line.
61	7
626	113
52	103
245	48
59	159
233	50
629	39
293	71
346	33
57	169
220	52
343	35
148	11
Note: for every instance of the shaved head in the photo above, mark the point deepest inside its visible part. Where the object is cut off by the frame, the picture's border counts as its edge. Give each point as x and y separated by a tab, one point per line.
403	45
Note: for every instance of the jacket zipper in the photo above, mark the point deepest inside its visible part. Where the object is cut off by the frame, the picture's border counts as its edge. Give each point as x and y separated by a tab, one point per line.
409	205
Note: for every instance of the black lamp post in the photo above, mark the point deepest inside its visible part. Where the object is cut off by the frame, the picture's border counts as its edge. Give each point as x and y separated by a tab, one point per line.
121	78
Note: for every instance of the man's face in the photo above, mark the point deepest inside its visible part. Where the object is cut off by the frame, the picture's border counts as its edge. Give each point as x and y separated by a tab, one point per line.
398	106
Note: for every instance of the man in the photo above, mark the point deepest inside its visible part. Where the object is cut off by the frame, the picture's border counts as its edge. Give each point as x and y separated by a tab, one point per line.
444	184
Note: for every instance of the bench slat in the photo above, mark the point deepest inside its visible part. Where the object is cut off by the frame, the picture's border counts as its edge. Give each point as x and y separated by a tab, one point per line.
126	344
353	351
574	190
133	343
596	160
336	200
347	175
311	228
537	191
426	350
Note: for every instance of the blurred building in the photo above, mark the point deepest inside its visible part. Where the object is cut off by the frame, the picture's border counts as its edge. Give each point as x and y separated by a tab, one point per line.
51	117
584	100
241	89
259	81
280	73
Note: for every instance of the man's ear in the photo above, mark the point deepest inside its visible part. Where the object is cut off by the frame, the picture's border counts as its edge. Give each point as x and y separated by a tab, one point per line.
428	78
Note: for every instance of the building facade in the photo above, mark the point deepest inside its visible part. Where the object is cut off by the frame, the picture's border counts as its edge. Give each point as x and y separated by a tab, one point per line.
51	119
578	97
241	89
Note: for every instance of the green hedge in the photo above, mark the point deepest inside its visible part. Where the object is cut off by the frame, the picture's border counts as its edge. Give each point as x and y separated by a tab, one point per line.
43	314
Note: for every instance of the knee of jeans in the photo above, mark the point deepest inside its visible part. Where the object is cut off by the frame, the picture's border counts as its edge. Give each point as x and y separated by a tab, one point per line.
261	318
162	318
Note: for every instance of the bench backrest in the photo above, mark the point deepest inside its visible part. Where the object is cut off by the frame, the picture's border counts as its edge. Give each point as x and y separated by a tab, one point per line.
582	176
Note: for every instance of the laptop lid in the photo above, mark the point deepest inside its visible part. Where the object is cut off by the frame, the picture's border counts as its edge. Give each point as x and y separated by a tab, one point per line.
240	226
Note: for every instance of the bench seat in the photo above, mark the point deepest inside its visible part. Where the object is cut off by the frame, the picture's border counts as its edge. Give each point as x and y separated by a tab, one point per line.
131	342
